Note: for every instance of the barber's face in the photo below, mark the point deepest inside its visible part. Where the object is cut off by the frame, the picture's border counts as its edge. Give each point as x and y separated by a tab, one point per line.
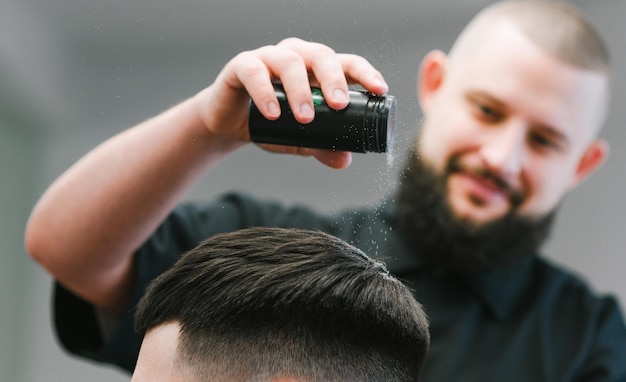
513	126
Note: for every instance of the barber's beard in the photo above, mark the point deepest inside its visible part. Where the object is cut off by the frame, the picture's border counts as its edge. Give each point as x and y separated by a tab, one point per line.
447	241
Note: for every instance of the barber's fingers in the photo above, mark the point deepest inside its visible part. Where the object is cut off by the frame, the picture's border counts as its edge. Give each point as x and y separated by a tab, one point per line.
255	70
299	64
332	68
251	71
334	159
359	71
332	71
324	69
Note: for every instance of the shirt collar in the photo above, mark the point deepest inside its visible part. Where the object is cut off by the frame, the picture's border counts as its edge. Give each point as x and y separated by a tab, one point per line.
502	290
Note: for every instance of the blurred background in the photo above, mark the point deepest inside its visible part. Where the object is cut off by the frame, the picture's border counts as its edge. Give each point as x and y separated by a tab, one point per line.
75	72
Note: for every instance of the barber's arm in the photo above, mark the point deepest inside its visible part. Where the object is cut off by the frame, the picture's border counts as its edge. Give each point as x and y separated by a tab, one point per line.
90	221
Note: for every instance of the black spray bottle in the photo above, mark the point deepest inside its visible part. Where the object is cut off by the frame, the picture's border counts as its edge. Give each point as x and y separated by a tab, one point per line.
367	124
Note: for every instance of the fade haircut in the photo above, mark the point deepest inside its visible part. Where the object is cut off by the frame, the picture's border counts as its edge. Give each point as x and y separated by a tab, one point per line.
263	303
555	27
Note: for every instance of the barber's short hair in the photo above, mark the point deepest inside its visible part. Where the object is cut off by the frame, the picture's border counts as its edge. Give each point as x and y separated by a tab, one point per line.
556	27
262	303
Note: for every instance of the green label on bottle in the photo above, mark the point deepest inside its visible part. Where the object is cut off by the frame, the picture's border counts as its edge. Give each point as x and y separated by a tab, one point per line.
318	98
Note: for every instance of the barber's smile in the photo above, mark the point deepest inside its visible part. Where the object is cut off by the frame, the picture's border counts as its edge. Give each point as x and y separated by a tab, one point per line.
484	187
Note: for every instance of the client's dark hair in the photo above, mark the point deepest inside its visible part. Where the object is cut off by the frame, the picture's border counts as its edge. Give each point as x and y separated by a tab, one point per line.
262	303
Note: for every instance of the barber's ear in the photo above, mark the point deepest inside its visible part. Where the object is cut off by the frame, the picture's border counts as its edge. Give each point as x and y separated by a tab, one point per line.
593	158
431	76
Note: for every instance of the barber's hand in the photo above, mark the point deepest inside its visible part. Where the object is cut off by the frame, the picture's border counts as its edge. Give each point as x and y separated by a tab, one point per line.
298	65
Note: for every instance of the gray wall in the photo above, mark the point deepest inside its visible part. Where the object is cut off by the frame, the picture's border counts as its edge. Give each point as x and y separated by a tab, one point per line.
74	72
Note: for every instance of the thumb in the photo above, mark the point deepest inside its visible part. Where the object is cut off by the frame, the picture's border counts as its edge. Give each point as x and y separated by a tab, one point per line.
333	159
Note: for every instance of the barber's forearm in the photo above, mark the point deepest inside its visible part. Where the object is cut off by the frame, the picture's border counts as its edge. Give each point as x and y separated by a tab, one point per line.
89	222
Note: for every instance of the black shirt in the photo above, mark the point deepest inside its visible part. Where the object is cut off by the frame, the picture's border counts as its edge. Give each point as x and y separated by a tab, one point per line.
530	321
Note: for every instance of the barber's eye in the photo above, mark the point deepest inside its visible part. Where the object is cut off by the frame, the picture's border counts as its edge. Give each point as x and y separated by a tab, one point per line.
543	141
488	112
538	139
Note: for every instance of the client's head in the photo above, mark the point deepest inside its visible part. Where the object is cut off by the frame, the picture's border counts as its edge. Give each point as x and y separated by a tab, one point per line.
270	305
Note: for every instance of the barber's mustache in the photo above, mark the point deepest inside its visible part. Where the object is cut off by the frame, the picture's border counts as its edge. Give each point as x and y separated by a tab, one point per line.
515	195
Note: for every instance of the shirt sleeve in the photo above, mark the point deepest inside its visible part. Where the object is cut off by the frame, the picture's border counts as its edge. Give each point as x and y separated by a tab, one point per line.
79	333
607	358
76	320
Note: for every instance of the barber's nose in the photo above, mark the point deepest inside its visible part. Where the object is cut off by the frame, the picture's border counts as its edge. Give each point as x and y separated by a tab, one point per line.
503	150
